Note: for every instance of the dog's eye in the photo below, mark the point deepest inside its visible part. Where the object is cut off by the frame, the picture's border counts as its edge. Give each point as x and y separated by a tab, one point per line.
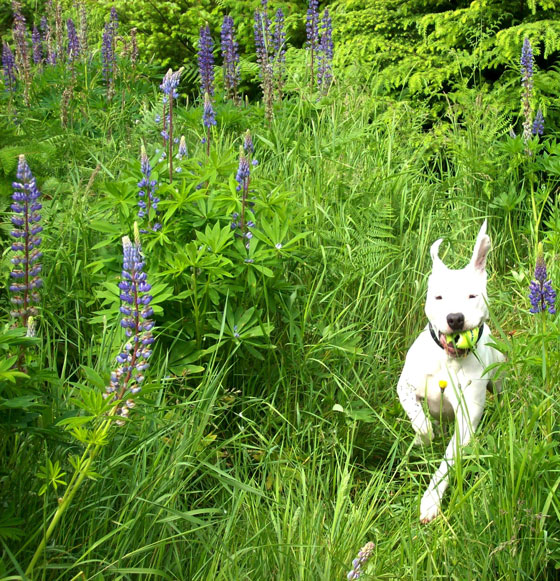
472	296
439	298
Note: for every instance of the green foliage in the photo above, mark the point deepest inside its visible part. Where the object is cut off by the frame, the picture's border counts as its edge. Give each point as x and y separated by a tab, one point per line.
421	48
267	441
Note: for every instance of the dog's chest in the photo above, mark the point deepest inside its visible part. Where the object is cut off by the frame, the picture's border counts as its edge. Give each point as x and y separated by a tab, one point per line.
443	386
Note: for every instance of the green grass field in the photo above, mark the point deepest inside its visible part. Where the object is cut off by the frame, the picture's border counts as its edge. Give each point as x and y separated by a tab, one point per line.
268	441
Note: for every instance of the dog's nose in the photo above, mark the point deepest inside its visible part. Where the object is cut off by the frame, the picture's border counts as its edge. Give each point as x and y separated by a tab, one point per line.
456	321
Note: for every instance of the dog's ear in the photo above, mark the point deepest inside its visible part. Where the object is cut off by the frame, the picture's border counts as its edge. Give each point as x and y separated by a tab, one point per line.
434	252
481	248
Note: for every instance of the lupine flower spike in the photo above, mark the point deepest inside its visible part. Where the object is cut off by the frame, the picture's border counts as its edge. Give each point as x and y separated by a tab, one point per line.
22	53
127	379
527	84
279	48
148	199
312	30
169	87
325	54
8	68
538	123
208	119
108	58
231	59
206	61
26	247
37	43
243	178
360	561
73	41
541	293
182	151
261	30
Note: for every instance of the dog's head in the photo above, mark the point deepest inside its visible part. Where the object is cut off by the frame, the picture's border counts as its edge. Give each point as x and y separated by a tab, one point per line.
456	299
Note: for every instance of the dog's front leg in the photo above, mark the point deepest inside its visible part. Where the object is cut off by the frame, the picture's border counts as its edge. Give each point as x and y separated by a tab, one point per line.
467	418
420	423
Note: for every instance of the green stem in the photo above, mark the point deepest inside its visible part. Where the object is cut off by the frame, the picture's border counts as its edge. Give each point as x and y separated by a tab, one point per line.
78	477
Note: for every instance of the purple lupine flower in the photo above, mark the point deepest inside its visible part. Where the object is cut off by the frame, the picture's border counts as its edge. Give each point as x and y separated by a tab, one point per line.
541	294
26	247
248	143
263	47
231	58
527	85
114	20
243	178
48	41
182	151
538	123
360	561
279	50
169	86
108	58
37	43
22	53
208	116
243	172
148	199
126	380
170	83
73	41
206	61
325	54
312	32
8	68
261	44
83	33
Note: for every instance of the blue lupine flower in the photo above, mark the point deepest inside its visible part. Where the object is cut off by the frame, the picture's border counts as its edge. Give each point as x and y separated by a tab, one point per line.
148	199
182	152
206	61
230	55
108	58
279	50
261	42
114	20
170	83
312	24
248	143
527	62
538	123
37	46
325	54
527	84
360	561
8	68
541	293
26	247
127	379
243	172
208	116
73	41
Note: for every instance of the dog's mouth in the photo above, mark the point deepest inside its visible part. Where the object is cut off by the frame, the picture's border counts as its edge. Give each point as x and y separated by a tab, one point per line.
450	346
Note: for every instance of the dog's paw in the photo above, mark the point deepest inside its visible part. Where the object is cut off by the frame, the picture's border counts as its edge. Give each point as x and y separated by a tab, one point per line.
429	507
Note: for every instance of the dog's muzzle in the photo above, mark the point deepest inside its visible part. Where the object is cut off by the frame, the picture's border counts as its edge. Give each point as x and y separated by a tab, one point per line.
450	348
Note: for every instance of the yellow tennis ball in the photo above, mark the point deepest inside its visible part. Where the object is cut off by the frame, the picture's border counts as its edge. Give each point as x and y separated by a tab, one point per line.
464	340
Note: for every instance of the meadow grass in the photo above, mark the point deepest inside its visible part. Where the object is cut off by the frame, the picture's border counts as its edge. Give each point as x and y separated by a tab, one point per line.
283	467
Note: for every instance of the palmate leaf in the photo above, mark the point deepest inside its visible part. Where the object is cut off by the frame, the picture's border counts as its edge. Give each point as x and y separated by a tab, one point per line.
10	526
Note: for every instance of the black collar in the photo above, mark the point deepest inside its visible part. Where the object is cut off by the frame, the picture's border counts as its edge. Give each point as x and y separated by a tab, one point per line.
438	342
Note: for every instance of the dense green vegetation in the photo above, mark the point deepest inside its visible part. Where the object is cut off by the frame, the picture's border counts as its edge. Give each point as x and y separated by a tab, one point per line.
267	441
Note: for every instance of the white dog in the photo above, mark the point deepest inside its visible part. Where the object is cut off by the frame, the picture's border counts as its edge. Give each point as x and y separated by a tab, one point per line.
449	380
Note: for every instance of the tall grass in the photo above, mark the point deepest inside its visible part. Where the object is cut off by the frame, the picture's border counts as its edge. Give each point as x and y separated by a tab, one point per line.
282	468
